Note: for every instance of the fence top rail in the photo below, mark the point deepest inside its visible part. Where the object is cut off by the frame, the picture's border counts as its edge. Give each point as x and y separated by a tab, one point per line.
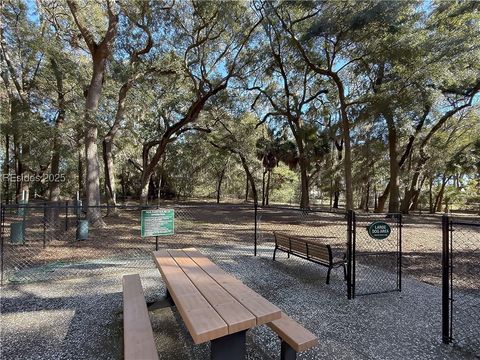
73	205
465	223
311	210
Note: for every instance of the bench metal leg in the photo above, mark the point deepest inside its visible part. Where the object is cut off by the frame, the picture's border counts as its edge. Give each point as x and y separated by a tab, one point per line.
274	253
231	347
328	275
288	255
167	301
345	271
287	352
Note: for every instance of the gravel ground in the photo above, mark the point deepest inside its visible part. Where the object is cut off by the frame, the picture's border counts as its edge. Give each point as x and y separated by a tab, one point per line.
82	318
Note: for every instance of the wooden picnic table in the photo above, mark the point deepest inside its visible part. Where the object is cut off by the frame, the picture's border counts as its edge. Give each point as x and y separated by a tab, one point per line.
214	305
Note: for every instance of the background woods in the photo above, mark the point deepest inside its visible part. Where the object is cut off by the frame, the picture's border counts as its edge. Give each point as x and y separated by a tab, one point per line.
371	105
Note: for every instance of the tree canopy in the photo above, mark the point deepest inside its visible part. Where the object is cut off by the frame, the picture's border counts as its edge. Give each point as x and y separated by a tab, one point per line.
371	105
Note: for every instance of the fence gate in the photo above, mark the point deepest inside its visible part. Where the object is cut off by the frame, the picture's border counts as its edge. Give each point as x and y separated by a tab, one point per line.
461	283
374	253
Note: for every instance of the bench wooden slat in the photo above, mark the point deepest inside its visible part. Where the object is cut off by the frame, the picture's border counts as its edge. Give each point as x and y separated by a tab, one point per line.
319	251
263	310
139	342
282	240
201	320
236	316
298	245
295	335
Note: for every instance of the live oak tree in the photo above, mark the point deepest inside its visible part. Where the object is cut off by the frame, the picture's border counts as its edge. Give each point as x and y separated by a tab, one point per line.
99	45
291	92
209	47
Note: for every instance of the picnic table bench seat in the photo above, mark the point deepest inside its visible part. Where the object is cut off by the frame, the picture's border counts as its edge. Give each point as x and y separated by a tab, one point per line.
312	251
295	338
139	342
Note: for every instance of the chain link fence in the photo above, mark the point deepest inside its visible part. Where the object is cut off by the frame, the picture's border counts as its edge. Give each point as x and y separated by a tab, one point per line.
377	258
49	241
312	225
461	283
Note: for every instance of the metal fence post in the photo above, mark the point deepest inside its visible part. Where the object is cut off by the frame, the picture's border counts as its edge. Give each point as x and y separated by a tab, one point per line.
66	215
255	230
44	224
350	255
445	280
2	221
400	227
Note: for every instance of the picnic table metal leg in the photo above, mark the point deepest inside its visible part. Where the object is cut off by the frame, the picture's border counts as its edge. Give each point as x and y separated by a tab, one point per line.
231	347
287	352
167	301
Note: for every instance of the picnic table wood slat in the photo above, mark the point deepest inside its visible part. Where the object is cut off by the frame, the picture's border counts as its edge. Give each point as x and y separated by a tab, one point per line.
236	316
263	310
201	320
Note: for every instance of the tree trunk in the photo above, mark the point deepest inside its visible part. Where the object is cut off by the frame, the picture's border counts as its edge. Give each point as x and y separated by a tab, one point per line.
110	181
409	194
250	178
305	196
263	186
81	186
382	199
6	169
331	194
94	214
367	200
267	201
54	193
347	161
219	184
246	188
416	195
393	203
99	53
439	197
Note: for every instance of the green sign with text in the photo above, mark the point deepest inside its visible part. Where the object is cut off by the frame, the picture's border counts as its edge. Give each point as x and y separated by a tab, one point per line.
379	230
157	222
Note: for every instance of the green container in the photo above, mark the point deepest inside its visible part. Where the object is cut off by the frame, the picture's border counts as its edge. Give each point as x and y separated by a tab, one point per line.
22	208
17	233
82	229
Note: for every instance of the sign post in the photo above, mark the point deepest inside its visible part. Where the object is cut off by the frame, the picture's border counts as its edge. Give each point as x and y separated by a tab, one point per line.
157	222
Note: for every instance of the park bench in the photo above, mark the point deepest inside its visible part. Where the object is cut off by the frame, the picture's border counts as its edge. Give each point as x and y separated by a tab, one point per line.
219	308
137	329
315	252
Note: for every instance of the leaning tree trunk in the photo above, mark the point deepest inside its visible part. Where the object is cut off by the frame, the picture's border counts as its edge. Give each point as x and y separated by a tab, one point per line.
246	188
249	177
439	198
108	162
219	184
